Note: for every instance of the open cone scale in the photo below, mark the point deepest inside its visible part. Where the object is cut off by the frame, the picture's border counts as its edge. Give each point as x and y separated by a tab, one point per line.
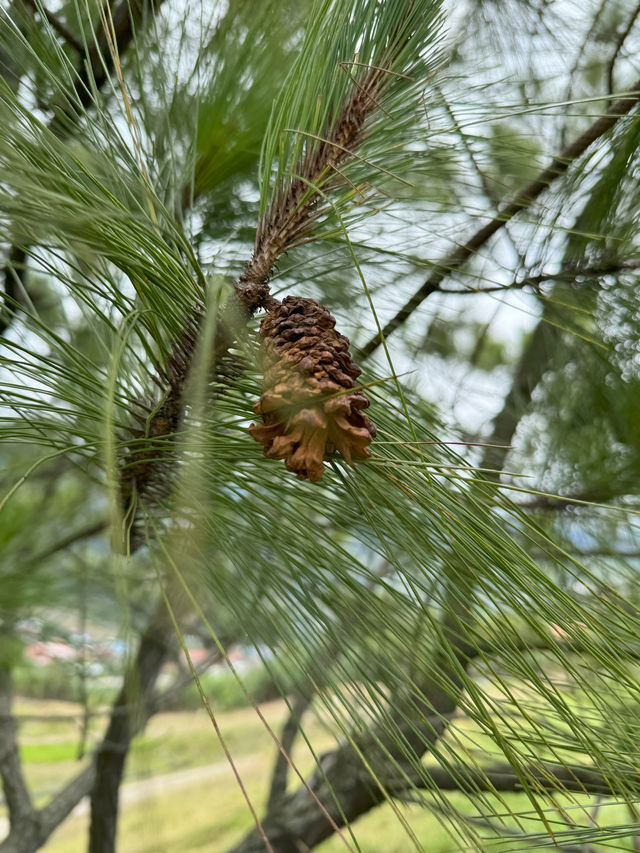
309	407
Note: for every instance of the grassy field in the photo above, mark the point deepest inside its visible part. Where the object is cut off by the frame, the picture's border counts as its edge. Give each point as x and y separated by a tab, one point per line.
180	794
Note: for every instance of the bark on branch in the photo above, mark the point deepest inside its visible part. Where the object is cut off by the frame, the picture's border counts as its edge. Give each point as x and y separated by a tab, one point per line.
280	774
548	776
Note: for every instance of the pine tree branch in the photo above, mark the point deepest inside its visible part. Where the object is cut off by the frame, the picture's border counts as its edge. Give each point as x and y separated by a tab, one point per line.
127	16
289	219
570	273
531	367
298	821
57	25
86	532
96	66
341	784
63	803
13	276
551	777
618	47
561	502
297	206
522	200
548	776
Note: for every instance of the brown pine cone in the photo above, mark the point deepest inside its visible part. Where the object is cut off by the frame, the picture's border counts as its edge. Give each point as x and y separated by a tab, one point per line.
307	409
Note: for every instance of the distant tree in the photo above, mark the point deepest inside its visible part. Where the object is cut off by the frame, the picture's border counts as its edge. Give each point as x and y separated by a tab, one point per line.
456	586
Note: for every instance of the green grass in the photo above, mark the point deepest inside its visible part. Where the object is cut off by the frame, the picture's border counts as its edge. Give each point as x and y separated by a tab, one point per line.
49	753
211	815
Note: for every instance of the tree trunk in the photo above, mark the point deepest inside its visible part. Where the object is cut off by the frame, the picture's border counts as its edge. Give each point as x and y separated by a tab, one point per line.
131	710
23	818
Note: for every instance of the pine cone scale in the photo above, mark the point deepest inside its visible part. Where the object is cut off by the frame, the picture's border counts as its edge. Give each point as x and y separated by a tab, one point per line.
308	407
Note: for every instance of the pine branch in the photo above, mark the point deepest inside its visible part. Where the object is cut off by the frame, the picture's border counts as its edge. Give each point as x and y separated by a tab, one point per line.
297	206
86	532
500	777
100	59
96	66
288	222
341	784
532	365
624	34
561	502
13	278
522	200
341	776
569	273
56	24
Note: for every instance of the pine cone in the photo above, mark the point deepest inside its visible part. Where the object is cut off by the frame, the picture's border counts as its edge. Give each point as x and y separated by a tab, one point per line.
307	409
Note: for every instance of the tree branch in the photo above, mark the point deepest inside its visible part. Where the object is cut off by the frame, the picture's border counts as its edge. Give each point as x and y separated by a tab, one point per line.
13	276
560	502
97	66
126	17
285	224
64	542
341	784
619	45
521	201
280	773
56	24
558	778
341	779
534	281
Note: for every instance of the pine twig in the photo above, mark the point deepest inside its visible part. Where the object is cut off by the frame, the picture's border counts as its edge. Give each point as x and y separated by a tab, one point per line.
297	206
569	273
288	221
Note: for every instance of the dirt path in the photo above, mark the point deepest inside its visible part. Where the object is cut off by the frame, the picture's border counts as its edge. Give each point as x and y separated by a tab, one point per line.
142	789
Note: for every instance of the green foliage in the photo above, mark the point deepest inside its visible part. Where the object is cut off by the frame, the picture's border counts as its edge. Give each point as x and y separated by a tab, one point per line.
56	680
411	584
514	157
340	47
226	694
